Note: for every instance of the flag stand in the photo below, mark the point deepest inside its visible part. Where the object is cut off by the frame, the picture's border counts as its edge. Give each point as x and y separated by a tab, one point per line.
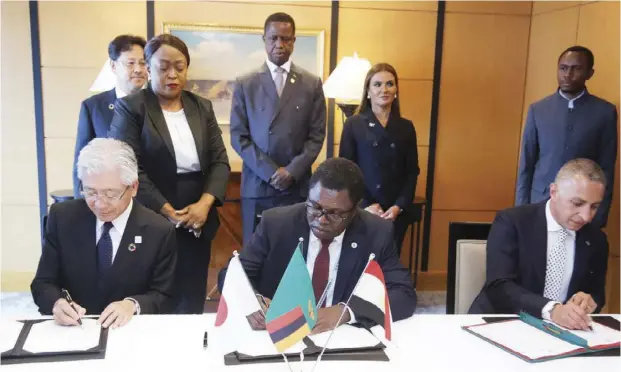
371	257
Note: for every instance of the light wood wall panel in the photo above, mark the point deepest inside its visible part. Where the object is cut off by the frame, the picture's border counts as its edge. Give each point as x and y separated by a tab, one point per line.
483	69
431	6
490	7
19	202
612	289
550	6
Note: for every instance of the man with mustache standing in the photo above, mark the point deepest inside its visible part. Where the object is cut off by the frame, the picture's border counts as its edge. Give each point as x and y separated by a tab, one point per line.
548	259
126	53
569	124
278	124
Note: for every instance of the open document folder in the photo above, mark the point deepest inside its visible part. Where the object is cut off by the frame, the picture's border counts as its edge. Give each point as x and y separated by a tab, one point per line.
536	340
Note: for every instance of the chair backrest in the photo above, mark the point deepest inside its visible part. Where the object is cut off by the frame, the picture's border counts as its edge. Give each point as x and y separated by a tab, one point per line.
460	231
469	273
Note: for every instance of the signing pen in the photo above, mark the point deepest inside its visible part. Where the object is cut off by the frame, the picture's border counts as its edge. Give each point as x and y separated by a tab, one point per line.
68	298
205	341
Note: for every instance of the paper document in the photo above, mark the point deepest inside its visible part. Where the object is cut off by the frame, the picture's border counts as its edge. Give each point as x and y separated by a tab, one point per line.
346	337
50	337
9	333
599	336
524	339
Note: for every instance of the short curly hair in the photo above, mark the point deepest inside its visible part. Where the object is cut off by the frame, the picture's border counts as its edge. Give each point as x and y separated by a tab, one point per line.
340	174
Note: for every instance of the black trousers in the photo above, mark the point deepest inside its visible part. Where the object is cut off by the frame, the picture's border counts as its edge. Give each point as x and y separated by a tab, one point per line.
193	254
252	208
400	226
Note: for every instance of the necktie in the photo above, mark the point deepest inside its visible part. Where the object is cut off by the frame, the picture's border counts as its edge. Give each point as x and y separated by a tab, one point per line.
104	253
321	271
555	268
279	80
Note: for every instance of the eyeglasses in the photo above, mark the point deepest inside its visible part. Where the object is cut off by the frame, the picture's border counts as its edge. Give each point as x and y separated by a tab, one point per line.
316	212
109	196
131	64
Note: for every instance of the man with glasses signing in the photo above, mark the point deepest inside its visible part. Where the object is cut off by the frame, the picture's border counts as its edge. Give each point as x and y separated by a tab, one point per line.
337	238
114	256
126	53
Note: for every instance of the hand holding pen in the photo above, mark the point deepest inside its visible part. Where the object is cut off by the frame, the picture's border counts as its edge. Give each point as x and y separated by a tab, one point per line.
67	312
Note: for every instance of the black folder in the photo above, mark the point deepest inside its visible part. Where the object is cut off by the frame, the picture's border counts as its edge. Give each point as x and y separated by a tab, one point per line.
18	355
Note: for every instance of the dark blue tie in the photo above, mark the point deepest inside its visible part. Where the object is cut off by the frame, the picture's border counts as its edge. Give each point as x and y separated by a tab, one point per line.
104	253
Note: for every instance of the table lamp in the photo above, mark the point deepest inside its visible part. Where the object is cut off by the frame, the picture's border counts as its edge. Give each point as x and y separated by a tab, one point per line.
106	79
346	83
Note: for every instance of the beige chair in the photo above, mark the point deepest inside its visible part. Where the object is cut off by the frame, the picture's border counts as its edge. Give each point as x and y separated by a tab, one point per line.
469	272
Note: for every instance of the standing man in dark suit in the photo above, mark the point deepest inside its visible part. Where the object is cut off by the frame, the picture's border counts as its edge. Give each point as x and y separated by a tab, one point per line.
126	53
337	238
278	124
547	258
114	256
569	124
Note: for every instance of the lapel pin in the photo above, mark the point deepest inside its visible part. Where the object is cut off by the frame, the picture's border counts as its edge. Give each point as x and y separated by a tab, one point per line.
292	80
138	239
297	107
111	106
354	245
131	247
371	125
588	243
301	239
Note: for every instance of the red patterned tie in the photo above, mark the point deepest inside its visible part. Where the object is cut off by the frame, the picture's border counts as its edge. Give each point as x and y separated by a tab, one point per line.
321	271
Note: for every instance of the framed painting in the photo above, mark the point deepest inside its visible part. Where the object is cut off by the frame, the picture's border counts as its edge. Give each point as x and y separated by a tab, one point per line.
220	54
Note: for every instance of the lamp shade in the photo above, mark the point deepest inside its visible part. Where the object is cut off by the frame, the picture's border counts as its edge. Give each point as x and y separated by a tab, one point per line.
106	79
346	82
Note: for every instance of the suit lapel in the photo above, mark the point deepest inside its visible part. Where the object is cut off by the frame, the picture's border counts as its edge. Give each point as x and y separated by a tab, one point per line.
86	244
581	260
156	115
268	83
290	84
193	117
540	248
108	105
126	255
351	257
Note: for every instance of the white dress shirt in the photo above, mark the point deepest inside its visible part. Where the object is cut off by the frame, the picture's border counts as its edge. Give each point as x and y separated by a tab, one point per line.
183	141
570	248
116	232
272	67
570	103
314	246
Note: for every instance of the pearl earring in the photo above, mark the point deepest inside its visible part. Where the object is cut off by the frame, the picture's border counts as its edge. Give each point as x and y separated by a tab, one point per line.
395	95
368	96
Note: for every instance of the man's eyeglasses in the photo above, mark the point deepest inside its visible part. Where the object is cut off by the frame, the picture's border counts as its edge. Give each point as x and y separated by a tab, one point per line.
131	64
316	212
109	196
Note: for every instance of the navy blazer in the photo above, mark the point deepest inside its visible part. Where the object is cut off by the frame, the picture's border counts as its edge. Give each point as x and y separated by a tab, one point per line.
268	253
69	260
554	135
388	157
96	114
269	132
517	259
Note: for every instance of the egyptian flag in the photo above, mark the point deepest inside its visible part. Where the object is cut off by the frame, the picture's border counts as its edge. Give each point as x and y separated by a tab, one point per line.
370	298
236	303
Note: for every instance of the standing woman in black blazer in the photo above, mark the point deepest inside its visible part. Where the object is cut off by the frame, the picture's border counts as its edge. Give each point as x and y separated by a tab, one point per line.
383	144
183	166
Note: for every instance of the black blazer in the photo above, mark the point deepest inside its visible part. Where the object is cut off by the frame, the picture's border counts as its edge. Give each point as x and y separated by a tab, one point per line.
267	255
69	260
139	121
388	157
96	114
516	263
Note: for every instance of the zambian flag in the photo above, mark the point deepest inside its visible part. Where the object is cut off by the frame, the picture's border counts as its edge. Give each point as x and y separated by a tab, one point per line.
292	313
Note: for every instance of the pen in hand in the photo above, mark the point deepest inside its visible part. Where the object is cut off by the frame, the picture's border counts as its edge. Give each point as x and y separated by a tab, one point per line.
68	298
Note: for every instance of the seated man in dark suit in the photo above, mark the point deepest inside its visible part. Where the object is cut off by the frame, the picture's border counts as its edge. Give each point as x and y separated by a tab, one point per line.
337	237
126	53
114	256
547	259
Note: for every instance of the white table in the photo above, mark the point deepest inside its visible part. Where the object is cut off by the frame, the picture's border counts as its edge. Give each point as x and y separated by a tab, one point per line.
424	343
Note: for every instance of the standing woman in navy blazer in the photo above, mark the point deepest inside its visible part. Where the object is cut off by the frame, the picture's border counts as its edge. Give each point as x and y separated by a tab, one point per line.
383	144
182	163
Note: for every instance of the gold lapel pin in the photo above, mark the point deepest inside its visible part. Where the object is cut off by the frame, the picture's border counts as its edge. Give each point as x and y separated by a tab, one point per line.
131	247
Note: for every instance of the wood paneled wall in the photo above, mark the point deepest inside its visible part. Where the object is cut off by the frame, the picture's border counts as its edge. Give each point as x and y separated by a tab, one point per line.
595	25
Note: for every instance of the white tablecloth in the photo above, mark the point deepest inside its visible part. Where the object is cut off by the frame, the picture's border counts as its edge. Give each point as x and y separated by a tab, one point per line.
423	343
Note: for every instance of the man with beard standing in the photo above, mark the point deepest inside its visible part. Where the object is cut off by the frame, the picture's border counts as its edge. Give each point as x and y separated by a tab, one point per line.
569	124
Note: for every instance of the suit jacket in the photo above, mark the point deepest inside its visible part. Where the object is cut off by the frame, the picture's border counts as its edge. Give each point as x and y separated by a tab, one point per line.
96	114
267	255
270	132
553	135
517	258
139	121
69	260
388	158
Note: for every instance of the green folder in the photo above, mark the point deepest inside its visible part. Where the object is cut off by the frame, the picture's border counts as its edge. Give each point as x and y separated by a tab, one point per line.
582	345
